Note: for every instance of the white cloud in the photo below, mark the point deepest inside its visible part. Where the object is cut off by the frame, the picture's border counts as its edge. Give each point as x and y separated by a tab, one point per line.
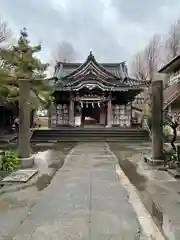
113	29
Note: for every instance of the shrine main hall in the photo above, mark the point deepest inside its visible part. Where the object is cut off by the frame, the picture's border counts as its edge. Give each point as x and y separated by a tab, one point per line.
93	93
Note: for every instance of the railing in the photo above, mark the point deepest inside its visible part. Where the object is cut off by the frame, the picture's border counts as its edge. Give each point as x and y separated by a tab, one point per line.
145	125
171	93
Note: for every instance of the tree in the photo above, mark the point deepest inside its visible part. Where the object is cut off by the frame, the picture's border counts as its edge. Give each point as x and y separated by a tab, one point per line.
173	40
147	62
65	52
23	77
19	63
151	56
140	67
172	120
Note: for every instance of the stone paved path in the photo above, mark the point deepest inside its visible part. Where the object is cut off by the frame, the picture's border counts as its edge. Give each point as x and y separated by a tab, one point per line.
85	201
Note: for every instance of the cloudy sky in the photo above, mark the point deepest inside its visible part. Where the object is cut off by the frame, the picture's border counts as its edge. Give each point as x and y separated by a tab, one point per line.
113	29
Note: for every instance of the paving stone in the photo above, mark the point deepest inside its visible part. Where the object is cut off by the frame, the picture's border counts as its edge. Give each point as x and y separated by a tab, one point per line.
85	201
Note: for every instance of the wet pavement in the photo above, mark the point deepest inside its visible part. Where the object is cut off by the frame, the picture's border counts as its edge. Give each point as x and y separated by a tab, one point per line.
16	200
158	190
84	200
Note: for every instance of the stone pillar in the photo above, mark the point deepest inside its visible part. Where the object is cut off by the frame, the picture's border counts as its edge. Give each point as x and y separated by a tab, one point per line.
109	114
71	113
157	120
53	115
24	127
49	114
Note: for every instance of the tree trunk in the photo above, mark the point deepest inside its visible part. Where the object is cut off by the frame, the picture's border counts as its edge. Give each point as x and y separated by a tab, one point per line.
32	118
24	114
174	139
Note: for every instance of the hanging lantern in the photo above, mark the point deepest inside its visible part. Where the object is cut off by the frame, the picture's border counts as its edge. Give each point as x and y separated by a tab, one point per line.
86	105
81	105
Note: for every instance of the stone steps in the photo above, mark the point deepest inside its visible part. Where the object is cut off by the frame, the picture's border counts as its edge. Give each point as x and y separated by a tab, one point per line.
82	134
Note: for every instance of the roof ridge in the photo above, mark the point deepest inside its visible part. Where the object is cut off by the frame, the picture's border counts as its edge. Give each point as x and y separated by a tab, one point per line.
89	59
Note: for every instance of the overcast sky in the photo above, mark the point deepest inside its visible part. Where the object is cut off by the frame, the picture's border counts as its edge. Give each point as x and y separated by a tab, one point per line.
113	29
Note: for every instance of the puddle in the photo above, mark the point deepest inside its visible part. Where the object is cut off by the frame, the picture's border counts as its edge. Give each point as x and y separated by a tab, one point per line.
44	181
49	159
140	182
131	169
131	172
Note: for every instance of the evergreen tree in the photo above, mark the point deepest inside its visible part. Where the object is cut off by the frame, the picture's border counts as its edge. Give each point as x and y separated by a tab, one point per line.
19	62
22	80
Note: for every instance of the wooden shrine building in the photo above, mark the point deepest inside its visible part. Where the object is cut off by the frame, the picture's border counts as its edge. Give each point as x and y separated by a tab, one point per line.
94	93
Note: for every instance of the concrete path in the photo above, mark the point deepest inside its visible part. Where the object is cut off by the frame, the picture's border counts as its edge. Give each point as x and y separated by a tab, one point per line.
85	201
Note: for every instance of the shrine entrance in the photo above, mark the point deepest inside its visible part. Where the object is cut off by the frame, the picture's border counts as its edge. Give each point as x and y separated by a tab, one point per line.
90	110
90	115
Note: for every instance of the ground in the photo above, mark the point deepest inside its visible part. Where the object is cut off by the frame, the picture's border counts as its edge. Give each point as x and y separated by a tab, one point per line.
88	198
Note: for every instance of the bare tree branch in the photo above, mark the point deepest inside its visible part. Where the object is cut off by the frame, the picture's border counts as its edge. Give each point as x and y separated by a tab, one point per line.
65	52
139	67
173	41
5	32
151	56
146	63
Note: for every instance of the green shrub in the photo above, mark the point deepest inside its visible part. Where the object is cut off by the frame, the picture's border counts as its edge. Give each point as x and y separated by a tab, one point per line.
9	161
167	131
171	158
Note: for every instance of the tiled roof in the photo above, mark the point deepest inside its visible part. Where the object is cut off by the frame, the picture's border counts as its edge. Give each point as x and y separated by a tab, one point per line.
117	69
110	75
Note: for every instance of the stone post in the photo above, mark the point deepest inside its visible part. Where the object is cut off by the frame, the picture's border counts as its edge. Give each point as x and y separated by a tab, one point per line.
50	114
157	120
71	112
24	126
109	114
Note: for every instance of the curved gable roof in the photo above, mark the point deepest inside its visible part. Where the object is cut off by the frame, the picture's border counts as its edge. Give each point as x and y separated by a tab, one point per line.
117	70
91	70
90	66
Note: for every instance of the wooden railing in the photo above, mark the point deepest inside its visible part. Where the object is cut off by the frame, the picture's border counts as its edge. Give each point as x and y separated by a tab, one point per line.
171	93
145	125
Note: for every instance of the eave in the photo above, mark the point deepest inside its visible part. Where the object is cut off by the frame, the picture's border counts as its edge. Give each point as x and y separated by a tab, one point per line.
171	65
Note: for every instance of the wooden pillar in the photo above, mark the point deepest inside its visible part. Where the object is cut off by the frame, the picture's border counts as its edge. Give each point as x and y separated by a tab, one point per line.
131	115
109	113
71	112
157	120
51	114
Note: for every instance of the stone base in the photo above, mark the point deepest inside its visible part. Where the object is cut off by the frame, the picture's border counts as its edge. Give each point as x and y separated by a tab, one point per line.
108	126
154	162
27	162
21	176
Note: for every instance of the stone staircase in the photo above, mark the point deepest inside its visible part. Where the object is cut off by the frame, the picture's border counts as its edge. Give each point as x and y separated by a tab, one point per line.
89	134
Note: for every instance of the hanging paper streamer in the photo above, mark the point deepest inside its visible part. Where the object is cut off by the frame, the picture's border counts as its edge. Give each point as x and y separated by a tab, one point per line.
81	105
86	105
98	104
93	105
